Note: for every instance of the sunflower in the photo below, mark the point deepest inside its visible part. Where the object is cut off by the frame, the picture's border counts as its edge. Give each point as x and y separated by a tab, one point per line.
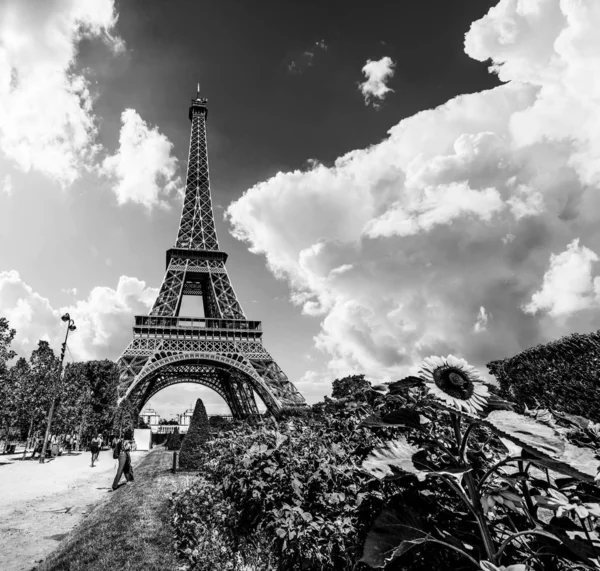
455	382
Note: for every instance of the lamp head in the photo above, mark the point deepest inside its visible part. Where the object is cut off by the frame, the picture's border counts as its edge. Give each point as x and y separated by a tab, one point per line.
72	327
66	317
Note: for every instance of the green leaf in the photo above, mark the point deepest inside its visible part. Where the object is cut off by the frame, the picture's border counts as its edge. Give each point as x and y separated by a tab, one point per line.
401	417
575	540
531	435
391	536
398	453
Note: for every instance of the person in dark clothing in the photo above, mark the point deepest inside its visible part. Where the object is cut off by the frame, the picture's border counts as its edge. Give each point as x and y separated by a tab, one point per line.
122	453
95	448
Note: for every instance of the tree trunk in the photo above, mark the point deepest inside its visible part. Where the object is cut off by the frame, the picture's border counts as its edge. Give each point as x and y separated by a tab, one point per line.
28	437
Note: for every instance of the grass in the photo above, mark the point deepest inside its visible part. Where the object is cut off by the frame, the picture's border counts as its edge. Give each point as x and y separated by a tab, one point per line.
132	530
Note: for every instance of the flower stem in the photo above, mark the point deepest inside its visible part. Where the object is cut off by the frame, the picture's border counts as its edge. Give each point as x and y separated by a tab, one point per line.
526	532
463	446
456	426
587	534
494	468
530	507
481	521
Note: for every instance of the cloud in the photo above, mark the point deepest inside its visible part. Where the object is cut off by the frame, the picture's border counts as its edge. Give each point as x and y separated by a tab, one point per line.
304	59
567	286
46	118
104	319
482	319
143	168
6	185
377	74
460	208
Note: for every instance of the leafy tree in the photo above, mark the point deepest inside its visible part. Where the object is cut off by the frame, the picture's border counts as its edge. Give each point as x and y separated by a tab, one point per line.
349	386
197	435
7	400
39	386
75	404
141	423
165	422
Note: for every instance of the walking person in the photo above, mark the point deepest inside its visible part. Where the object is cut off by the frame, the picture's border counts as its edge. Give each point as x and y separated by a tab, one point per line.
54	446
95	448
122	453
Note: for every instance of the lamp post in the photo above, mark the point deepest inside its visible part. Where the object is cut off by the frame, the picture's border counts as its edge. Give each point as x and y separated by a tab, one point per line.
70	327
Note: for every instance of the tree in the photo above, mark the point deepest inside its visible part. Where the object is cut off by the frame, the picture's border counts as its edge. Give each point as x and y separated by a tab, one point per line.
39	386
7	389
174	440
349	386
198	433
141	423
171	422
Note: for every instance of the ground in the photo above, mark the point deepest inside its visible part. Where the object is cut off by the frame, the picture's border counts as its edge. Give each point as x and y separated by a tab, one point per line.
41	503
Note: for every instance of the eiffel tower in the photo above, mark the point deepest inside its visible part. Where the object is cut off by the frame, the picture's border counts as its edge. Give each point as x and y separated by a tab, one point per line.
222	350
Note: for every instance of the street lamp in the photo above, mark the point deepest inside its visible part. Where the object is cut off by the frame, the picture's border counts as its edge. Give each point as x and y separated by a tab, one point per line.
70	327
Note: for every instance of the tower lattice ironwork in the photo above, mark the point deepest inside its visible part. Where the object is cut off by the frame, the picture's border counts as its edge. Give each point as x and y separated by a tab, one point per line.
222	350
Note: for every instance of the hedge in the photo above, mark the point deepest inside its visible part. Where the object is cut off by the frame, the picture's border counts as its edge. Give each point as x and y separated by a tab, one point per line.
190	457
562	375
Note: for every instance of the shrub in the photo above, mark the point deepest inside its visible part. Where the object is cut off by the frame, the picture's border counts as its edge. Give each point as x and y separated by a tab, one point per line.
174	440
197	435
562	375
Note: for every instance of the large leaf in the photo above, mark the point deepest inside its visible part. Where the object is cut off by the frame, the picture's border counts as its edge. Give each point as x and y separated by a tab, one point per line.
572	419
531	435
581	463
404	384
575	540
401	417
398	453
545	444
392	535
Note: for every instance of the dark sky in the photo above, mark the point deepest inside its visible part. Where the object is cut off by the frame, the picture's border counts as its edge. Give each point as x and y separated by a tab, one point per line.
264	118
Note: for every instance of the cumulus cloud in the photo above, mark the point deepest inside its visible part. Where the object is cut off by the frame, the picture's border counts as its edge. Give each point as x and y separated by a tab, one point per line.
378	74
143	168
461	208
104	319
568	286
46	118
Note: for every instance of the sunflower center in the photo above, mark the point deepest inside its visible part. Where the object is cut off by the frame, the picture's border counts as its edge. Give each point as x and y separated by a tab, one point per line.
453	382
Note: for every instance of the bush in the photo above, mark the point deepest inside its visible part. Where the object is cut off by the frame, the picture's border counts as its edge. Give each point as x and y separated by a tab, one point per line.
174	440
190	457
562	375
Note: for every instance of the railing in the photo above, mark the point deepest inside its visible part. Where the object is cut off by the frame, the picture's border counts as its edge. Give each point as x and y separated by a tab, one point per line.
197	323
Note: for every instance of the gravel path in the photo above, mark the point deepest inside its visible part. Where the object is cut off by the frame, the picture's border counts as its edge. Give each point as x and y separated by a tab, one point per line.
41	503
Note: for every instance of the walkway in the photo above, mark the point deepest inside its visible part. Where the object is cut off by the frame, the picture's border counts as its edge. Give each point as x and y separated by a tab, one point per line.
41	503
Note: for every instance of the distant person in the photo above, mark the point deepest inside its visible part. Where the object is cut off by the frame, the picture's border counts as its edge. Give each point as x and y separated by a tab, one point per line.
37	447
54	446
95	445
122	453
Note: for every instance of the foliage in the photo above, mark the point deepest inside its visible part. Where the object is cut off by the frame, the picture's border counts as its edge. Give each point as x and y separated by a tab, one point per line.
191	456
503	472
561	375
173	440
165	422
393	477
349	386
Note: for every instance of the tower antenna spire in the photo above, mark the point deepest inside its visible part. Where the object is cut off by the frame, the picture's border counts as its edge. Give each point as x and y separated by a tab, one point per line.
198	92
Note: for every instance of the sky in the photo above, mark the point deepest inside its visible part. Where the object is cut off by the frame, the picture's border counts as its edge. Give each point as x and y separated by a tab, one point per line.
391	181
